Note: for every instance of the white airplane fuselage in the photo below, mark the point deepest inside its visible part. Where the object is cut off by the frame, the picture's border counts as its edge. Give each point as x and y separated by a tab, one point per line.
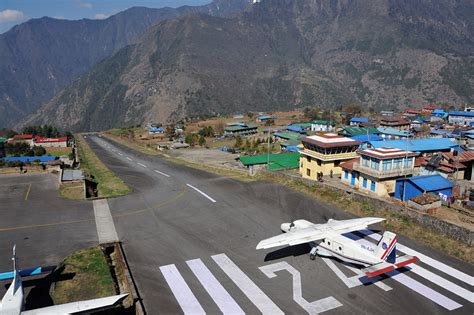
346	250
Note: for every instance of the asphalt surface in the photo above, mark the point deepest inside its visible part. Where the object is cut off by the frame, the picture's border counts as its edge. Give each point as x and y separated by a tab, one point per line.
45	227
177	214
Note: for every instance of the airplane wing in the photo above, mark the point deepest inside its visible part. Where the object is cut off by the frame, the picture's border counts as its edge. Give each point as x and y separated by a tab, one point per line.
75	307
317	232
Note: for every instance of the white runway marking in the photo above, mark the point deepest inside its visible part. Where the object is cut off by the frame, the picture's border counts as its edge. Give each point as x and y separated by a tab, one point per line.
217	292
247	286
183	294
416	286
143	165
164	174
104	222
128	158
120	153
312	308
202	193
427	260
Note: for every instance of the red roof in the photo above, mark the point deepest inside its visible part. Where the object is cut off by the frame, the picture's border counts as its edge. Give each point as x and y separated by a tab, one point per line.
50	140
387	153
466	156
23	137
330	141
413	111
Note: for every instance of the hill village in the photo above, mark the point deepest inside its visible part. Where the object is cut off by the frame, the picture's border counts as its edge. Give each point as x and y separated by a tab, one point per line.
420	158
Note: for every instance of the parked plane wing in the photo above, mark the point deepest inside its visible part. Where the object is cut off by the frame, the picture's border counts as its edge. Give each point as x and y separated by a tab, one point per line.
75	307
317	231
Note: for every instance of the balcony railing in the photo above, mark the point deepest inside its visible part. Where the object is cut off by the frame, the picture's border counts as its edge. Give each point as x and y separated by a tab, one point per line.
382	173
329	157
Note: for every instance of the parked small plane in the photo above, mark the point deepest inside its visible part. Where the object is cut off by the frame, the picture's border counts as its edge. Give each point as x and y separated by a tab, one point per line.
13	303
376	260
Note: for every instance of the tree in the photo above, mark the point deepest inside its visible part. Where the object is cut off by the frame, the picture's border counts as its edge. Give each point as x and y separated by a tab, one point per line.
250	115
311	113
202	141
219	128
191	139
170	132
206	131
238	142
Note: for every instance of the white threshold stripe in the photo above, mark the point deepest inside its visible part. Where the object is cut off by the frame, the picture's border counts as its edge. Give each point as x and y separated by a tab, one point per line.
128	158
218	293
141	164
446	284
416	286
428	260
164	174
202	193
247	286
181	291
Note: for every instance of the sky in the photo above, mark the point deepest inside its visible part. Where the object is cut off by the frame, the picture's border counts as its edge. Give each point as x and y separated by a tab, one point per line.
13	12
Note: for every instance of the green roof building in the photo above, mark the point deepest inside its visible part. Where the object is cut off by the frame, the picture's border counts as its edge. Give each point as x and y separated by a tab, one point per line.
240	130
272	161
2	147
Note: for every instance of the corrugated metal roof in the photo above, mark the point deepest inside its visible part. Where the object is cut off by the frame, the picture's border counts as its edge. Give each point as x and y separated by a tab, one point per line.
417	145
431	182
3	140
359	119
355	131
281	160
394	132
460	113
367	138
69	175
30	159
287	135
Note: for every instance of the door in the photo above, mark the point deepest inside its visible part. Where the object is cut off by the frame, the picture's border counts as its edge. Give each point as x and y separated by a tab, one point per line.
353	179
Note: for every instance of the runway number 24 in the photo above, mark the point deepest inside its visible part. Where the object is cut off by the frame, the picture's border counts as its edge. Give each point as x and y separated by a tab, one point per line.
315	307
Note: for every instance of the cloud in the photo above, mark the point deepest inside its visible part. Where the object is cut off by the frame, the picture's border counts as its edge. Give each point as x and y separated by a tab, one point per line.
11	15
101	16
83	5
59	17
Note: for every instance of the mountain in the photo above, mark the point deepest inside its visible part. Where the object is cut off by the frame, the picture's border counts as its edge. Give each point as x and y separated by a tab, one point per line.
40	57
280	54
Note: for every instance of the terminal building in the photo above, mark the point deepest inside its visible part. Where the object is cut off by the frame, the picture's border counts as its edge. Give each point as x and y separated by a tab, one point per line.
376	170
324	154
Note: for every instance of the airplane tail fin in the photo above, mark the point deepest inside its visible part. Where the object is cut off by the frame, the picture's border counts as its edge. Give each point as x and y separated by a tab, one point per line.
386	247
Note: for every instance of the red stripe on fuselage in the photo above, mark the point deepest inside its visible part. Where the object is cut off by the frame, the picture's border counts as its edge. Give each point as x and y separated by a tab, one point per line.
389	247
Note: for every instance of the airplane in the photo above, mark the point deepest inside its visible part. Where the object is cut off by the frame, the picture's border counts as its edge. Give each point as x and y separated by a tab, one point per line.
375	260
13	302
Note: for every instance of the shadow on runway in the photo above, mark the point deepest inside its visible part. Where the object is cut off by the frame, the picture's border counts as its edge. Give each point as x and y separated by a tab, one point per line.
296	250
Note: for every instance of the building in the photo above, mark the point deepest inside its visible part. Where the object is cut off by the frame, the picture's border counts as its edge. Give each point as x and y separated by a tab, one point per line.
461	118
153	130
367	138
26	138
304	126
238	116
297	129
262	118
2	147
425	146
324	154
411	113
60	142
376	170
386	113
357	131
393	122
391	133
285	136
240	130
290	145
323	125
270	161
411	187
448	164
356	121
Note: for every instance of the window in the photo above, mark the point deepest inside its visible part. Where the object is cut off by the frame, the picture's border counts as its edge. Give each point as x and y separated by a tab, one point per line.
365	161
308	172
386	165
319	162
372	186
308	159
346	175
375	164
336	163
408	163
364	182
397	164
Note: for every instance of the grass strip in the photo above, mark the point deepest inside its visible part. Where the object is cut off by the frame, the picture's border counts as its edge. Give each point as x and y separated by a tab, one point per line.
72	191
91	277
108	184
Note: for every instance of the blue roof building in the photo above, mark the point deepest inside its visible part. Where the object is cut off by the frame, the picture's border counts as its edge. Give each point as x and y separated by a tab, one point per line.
422	145
367	138
156	130
392	133
457	117
355	121
406	189
296	129
30	159
263	118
